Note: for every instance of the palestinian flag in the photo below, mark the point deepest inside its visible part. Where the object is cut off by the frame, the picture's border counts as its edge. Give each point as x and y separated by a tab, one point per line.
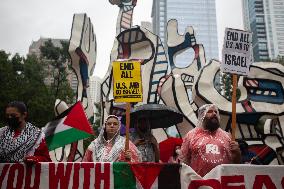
120	175
70	126
151	175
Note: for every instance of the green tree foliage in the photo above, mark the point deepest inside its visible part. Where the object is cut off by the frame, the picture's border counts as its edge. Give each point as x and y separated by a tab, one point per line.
280	60
56	61
22	80
227	86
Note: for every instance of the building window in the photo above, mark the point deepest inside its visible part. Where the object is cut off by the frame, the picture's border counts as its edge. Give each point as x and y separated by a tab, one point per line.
259	20
262	46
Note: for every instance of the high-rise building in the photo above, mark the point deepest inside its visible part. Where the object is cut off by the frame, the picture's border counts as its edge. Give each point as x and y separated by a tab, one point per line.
95	89
200	14
265	19
34	49
95	92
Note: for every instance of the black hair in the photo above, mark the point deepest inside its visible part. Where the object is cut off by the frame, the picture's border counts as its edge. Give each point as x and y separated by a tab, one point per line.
21	107
174	152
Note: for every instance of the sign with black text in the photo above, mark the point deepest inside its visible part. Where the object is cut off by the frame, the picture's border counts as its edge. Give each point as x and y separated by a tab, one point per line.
236	54
127	84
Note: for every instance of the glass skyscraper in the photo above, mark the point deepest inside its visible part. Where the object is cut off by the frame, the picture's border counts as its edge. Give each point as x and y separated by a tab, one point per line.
265	18
200	14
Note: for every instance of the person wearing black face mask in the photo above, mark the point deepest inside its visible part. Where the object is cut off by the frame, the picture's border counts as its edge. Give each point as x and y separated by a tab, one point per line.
13	122
207	145
20	141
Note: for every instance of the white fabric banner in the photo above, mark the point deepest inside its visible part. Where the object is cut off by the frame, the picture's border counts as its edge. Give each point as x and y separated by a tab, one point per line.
101	175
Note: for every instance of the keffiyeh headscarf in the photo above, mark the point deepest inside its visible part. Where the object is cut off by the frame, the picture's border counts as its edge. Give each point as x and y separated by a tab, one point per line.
15	149
202	111
101	142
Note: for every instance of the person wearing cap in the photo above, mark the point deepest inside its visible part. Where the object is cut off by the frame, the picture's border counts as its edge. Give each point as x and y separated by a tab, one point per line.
20	141
109	146
207	145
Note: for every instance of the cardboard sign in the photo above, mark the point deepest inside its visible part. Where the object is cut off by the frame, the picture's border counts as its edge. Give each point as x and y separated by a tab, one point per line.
236	54
127	84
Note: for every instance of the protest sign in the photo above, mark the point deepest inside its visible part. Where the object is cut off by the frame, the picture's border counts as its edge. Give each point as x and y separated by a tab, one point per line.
236	59
111	175
236	54
127	85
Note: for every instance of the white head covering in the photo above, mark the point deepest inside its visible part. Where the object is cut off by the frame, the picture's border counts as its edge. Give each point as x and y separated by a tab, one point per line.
103	129
100	143
202	111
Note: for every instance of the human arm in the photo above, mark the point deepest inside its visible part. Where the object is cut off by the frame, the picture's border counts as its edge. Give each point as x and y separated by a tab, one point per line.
236	152
156	148
41	154
132	154
88	156
185	152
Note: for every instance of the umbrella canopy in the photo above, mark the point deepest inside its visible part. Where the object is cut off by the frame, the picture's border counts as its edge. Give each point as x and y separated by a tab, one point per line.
167	148
159	115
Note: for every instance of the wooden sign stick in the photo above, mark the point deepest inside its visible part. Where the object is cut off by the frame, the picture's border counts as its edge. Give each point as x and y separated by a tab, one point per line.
234	102
127	114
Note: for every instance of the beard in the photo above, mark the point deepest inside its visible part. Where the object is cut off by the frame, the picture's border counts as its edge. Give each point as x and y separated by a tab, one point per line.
211	124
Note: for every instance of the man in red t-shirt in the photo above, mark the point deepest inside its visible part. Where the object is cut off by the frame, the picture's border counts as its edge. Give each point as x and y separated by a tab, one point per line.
207	145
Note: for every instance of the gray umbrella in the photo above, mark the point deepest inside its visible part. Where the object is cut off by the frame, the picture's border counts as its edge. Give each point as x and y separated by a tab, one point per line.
159	115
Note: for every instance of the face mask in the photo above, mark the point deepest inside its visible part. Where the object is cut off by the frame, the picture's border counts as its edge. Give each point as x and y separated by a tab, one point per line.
13	122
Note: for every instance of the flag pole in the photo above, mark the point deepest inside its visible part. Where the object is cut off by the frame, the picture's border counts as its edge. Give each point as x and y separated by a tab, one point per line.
234	101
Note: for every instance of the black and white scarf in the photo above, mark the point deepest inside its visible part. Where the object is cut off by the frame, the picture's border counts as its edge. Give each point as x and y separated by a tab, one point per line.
100	144
14	149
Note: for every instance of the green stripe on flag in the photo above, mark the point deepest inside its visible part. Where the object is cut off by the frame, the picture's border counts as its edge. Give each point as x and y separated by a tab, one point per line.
123	176
65	137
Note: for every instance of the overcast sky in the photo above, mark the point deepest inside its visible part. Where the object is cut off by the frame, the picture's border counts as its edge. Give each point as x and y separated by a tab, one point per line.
24	21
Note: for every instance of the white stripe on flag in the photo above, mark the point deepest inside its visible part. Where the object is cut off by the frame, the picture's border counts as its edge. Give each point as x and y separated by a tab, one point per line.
186	175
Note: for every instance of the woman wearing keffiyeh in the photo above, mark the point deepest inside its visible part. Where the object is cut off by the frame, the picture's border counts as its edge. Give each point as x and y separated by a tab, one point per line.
109	146
20	141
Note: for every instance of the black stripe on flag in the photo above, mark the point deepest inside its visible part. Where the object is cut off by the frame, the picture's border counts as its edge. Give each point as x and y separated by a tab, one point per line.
169	177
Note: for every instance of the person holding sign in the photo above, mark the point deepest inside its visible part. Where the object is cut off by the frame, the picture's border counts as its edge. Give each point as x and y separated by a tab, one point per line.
207	145
109	146
20	141
145	141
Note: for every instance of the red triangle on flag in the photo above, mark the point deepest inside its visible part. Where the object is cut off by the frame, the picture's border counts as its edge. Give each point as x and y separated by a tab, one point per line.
77	119
146	173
